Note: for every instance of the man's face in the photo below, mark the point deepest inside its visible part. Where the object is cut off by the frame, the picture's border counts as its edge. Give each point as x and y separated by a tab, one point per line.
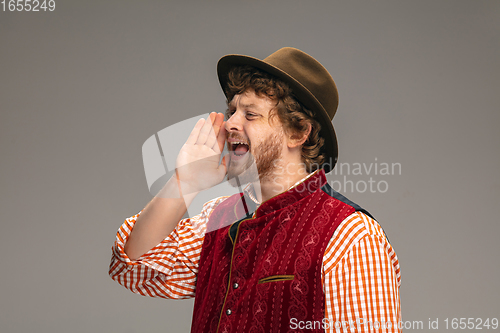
255	143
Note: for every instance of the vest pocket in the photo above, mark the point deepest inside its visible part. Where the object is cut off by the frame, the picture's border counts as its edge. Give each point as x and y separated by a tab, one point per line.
275	278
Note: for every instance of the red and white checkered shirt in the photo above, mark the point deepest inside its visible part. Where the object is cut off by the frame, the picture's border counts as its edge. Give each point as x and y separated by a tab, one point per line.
361	274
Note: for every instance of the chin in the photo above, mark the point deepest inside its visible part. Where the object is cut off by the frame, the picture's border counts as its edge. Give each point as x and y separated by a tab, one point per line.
242	173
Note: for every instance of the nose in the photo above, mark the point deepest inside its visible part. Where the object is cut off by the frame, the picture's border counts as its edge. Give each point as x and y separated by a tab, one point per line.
234	123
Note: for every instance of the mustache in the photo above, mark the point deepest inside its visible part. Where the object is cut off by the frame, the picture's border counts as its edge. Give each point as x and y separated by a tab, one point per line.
238	137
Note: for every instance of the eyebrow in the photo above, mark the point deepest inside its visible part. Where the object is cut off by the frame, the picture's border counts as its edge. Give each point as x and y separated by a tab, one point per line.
246	106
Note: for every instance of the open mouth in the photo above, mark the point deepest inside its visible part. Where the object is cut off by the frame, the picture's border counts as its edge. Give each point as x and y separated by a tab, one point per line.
239	148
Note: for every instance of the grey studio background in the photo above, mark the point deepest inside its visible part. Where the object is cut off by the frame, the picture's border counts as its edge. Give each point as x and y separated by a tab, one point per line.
82	88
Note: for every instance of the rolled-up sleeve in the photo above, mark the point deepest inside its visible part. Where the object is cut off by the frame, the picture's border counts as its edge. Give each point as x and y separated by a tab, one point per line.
169	269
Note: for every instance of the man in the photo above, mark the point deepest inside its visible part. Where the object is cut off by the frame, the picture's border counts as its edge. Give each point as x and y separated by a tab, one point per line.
288	253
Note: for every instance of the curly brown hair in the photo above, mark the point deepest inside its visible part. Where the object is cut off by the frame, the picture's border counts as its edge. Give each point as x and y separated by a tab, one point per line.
292	114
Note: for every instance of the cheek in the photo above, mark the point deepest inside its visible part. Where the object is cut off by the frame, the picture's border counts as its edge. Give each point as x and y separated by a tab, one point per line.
256	141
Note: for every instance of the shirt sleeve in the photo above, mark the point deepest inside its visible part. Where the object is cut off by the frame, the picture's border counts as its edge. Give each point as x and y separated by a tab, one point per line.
169	269
361	279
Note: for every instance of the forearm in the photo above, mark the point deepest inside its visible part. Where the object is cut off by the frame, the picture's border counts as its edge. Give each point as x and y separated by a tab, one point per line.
158	219
169	271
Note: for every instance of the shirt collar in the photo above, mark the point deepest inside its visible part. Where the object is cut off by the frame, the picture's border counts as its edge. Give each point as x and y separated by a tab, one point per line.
250	191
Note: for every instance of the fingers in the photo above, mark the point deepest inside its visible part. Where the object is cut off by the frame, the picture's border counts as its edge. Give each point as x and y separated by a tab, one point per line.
195	132
205	130
216	133
221	138
209	132
212	136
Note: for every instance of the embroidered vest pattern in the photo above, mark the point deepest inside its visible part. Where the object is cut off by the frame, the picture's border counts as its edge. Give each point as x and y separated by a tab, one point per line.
262	271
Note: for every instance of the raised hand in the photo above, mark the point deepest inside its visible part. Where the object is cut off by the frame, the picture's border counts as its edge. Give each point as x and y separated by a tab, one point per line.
197	165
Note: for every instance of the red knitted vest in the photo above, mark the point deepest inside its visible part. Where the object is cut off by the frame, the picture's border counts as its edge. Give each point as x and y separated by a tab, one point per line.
263	273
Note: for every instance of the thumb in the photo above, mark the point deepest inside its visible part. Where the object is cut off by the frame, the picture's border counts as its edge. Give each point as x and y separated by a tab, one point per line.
224	163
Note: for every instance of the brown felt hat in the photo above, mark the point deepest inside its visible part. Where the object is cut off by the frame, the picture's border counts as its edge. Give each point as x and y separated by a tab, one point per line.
310	82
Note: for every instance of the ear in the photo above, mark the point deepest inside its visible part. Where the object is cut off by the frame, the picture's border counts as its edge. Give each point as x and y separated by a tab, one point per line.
296	140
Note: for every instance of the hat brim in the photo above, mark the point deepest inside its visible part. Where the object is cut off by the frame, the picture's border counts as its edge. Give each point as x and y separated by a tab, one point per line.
301	93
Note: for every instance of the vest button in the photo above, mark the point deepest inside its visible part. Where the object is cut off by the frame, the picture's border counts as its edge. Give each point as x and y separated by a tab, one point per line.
228	312
235	285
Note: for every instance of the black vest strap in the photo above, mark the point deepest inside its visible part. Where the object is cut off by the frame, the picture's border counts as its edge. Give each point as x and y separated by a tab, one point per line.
331	192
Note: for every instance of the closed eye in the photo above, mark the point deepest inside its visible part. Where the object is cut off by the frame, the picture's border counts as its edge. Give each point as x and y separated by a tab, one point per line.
250	115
